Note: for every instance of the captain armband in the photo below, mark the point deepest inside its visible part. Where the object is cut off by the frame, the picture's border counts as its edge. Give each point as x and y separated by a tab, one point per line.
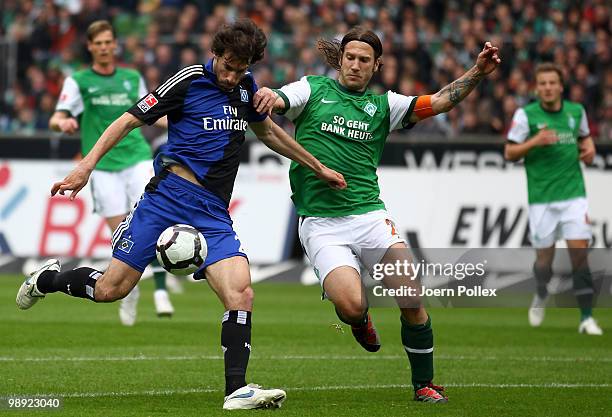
423	107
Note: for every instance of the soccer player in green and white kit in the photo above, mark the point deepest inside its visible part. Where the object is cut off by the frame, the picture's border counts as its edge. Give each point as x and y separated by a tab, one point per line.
346	126
552	135
97	96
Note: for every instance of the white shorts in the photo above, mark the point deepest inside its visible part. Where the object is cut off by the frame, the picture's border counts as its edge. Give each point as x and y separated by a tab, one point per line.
357	241
567	220
115	193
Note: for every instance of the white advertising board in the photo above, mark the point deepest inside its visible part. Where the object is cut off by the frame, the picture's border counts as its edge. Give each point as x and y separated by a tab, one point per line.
477	208
438	207
32	223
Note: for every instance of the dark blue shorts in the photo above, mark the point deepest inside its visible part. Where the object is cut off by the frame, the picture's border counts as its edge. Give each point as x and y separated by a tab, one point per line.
168	200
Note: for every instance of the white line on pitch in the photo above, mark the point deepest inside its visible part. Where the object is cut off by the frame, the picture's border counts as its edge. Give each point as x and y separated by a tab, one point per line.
298	357
204	390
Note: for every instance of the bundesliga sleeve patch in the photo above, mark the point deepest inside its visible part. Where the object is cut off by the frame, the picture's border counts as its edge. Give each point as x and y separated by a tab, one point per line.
146	103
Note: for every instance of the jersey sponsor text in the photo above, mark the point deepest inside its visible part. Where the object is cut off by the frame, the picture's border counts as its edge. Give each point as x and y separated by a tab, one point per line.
117	99
351	129
210	123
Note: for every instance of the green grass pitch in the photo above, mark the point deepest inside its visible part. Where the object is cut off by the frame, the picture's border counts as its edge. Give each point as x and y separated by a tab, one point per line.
491	361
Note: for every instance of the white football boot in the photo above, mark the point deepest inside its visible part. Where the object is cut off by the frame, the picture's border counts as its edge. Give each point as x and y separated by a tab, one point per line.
537	310
128	307
252	396
28	294
589	326
163	306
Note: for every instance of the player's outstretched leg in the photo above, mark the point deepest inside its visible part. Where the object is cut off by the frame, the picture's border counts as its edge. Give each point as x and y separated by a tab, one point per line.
163	306
84	282
79	282
28	293
418	343
231	281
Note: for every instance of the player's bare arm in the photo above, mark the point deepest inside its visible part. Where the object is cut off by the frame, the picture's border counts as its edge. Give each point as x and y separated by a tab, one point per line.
63	122
449	96
274	137
78	177
587	149
516	151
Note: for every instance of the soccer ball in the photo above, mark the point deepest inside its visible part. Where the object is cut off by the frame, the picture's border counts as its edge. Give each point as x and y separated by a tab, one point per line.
181	249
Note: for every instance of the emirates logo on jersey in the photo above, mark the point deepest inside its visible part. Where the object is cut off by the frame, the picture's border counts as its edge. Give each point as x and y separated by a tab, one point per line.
146	103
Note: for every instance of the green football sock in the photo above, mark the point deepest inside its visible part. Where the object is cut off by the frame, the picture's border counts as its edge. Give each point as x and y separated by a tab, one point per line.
159	275
583	288
585	313
418	342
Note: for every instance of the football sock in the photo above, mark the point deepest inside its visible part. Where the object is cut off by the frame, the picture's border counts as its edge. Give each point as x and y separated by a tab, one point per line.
236	345
418	342
583	290
542	277
79	282
159	275
357	323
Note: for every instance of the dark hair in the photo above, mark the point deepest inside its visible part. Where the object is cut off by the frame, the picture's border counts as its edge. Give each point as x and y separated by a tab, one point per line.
333	50
242	39
98	27
549	67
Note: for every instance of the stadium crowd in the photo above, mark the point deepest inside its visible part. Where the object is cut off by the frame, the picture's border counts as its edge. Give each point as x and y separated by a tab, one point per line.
427	44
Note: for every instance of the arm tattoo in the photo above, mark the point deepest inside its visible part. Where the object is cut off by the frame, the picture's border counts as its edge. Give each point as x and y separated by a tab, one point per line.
459	89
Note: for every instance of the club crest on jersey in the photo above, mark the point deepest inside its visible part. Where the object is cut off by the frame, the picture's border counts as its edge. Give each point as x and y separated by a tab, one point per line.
146	103
370	109
571	122
127	85
125	245
244	95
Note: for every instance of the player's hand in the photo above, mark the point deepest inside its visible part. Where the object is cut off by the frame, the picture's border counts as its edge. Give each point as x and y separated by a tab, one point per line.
488	59
546	137
68	125
587	150
75	181
334	179
264	100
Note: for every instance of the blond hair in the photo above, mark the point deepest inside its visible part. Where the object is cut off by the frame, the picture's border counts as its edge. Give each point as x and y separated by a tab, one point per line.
98	27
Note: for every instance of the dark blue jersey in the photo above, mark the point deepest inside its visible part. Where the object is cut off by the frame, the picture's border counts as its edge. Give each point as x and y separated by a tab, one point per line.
206	125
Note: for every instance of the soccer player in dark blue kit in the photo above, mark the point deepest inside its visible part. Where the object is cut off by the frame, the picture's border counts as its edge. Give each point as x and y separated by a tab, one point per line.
209	108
